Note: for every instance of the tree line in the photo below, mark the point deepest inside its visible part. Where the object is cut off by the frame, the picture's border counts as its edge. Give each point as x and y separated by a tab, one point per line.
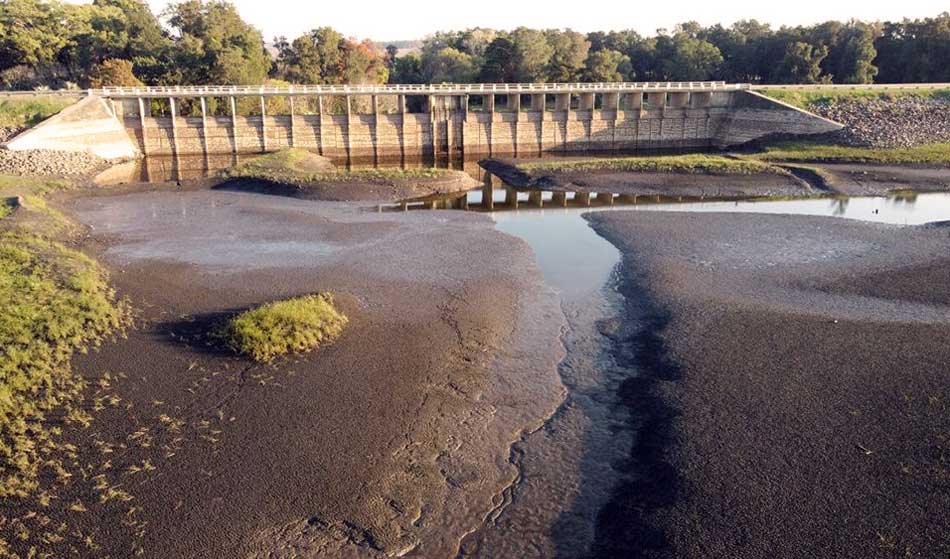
122	42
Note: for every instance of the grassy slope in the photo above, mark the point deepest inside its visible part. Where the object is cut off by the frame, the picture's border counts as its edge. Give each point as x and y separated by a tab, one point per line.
21	112
276	329
807	98
932	154
691	163
54	301
296	166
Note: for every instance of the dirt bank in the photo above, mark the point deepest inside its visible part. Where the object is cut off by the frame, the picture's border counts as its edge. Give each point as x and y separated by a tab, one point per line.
356	188
395	438
794	392
649	183
857	179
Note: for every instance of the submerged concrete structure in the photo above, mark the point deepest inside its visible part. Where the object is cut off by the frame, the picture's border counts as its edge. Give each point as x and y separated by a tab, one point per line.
451	120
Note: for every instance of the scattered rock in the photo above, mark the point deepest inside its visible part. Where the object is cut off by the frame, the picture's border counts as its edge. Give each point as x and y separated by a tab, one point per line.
49	163
904	121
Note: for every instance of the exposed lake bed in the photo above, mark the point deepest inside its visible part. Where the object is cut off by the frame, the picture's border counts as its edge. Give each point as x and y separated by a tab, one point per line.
516	407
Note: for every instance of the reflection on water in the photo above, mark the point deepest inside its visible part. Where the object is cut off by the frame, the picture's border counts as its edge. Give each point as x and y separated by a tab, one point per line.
901	208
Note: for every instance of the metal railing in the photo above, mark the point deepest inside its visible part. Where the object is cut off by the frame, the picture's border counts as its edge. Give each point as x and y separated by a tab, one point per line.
410	89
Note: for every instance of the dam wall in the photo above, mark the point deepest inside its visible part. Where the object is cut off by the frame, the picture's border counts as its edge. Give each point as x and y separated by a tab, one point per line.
453	121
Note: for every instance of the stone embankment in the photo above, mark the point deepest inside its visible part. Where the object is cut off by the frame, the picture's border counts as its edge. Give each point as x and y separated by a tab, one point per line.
904	121
48	162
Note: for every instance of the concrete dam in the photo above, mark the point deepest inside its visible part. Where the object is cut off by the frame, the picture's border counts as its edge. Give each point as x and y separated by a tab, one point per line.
451	121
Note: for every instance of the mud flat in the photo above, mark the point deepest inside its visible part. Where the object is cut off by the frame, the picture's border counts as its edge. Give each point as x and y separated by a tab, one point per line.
855	179
394	440
793	398
698	183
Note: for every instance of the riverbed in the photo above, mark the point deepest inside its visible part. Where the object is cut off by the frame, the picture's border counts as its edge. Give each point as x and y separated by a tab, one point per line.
546	288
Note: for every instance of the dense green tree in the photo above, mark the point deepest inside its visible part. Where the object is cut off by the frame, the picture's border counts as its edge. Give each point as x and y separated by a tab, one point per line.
362	63
685	57
113	72
500	64
802	63
316	57
407	69
607	66
448	65
34	32
532	55
570	50
215	45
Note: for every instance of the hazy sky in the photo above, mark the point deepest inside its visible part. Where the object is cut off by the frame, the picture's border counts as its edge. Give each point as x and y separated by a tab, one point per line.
410	19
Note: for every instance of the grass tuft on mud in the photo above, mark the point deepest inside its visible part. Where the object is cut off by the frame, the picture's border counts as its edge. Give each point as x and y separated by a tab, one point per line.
299	166
54	301
275	329
931	154
688	163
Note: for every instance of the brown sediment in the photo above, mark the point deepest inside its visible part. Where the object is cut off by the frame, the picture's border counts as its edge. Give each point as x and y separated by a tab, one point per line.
651	183
794	392
368	190
394	438
857	179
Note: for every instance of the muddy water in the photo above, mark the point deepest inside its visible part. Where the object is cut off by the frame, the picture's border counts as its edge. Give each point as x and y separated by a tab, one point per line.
570	466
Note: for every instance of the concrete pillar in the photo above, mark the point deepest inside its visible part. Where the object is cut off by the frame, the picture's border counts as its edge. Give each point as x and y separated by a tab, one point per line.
402	126
173	112
488	103
375	139
562	102
488	194
511	198
700	99
321	143
349	140
293	122
559	199
234	140
656	100
142	125
535	198
679	99
583	198
430	102
263	125
514	102
537	103
611	101
204	126
605	198
586	102
633	101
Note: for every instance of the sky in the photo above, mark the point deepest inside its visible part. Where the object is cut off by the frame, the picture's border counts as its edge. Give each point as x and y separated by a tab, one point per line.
413	19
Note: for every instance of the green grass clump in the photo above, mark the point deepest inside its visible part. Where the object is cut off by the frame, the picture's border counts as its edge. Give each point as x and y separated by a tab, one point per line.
275	329
690	163
930	154
54	301
22	112
808	98
298	166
